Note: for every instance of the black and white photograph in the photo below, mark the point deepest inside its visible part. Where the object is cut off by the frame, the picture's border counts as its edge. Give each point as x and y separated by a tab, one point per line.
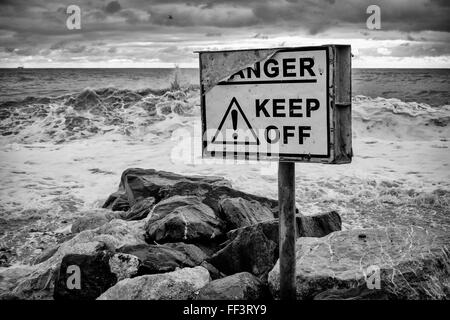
246	153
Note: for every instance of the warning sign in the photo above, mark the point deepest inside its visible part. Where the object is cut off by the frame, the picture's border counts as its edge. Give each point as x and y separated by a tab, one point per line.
243	134
275	107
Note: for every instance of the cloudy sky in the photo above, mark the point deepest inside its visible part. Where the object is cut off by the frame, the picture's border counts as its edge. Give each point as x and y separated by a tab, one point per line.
162	33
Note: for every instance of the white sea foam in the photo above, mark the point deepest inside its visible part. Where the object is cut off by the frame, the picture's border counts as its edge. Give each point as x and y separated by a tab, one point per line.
61	158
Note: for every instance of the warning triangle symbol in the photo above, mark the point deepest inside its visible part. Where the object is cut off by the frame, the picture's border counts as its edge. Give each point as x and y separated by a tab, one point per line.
234	128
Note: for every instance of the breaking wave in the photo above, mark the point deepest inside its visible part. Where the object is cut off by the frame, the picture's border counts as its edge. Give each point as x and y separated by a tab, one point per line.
94	112
393	119
134	113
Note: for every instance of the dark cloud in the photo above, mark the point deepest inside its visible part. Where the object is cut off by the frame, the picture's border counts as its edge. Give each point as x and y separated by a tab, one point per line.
38	27
113	7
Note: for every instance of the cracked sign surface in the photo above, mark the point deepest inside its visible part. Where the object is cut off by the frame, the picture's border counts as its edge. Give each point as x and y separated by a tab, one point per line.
275	106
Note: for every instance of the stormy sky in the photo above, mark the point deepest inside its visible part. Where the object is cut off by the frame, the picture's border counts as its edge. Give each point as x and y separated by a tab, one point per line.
162	33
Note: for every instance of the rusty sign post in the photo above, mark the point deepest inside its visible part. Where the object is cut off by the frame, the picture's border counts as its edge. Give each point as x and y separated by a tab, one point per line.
288	105
286	226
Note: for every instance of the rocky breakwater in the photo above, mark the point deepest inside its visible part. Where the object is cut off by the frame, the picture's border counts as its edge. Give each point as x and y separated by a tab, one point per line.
169	236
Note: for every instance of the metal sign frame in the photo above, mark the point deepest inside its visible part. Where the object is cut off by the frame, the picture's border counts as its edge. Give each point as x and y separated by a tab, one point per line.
339	137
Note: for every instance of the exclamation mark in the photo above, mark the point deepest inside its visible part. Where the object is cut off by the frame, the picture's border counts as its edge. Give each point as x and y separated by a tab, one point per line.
234	115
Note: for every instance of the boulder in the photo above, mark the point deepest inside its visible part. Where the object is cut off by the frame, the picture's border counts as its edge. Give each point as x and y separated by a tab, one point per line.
88	222
118	233
238	212
124	265
84	277
255	248
164	258
138	183
213	271
212	194
92	219
385	263
117	201
10	276
140	209
177	285
38	282
45	255
318	225
239	286
183	218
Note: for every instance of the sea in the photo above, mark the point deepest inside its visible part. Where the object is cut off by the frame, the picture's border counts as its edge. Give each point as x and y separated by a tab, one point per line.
66	135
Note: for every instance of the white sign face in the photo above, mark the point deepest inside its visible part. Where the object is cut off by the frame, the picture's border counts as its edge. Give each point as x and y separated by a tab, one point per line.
277	108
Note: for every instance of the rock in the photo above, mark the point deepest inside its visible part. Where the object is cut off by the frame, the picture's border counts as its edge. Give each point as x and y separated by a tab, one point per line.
10	276
38	282
238	212
177	285
88	222
255	248
124	265
45	255
184	219
213	271
84	277
93	219
212	194
165	258
143	183
166	206
318	225
239	286
138	183
412	262
140	209
117	201
118	233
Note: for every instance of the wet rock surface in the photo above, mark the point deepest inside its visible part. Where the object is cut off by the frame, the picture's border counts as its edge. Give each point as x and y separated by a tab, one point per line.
183	218
164	258
239	286
255	248
177	285
385	263
238	212
84	277
138	183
